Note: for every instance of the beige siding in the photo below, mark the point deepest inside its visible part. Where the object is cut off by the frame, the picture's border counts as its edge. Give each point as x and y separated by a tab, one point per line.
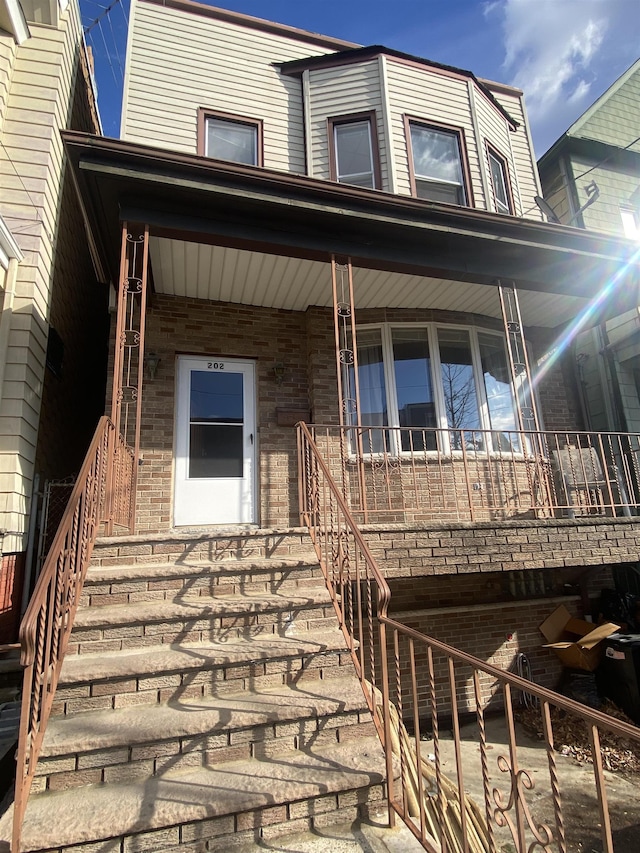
180	62
522	153
340	91
493	128
7	58
36	106
424	94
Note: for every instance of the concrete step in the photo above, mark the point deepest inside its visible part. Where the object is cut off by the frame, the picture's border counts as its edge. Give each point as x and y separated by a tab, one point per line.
136	743
130	583
212	808
233	543
166	673
196	618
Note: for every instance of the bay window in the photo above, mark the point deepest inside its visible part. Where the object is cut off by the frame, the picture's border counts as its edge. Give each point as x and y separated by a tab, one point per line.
446	386
437	162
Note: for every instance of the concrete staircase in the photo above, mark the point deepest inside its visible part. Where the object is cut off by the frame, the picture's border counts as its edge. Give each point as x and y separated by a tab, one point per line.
207	701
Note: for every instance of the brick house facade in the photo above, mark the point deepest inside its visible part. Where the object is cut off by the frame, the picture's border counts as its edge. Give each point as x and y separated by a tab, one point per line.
242	257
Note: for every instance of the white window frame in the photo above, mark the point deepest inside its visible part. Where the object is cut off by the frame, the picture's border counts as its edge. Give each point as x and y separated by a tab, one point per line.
393	427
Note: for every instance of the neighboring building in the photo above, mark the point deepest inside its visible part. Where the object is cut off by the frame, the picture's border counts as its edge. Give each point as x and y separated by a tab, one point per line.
53	312
303	229
603	146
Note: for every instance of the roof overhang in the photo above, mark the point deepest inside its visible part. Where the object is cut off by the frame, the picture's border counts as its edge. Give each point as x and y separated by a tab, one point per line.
196	200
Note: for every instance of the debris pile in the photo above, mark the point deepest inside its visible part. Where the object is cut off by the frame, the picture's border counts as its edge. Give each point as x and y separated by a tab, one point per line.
572	738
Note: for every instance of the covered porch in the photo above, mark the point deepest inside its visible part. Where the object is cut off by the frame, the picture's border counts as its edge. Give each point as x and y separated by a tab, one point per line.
433	345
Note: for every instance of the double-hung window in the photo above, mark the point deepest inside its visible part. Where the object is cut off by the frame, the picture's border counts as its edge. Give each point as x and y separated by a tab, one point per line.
353	146
499	181
228	137
445	386
437	163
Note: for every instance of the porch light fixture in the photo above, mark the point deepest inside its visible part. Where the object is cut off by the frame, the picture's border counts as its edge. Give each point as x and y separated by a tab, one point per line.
151	362
278	372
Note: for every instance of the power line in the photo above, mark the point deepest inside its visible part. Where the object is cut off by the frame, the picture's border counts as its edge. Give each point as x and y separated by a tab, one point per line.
100	17
558	186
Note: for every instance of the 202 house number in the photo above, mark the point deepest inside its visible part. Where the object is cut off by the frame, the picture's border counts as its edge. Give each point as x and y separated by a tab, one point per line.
215	365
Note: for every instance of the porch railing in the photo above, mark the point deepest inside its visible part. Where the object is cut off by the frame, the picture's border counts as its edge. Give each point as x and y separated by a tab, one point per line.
396	474
102	494
414	683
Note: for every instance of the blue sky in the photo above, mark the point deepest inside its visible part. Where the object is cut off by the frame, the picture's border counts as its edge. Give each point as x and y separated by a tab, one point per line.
562	53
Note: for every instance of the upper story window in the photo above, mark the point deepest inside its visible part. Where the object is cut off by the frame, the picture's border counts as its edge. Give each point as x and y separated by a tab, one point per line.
437	163
354	153
630	222
230	137
427	378
499	181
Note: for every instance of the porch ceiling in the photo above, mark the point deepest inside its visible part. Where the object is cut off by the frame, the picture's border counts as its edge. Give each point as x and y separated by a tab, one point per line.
219	273
226	231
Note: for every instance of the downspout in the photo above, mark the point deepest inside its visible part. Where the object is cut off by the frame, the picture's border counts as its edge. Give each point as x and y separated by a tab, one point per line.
608	354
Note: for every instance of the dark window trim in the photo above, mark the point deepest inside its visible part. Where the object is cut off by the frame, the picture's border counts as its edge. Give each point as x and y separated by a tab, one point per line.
204	114
462	148
493	151
371	117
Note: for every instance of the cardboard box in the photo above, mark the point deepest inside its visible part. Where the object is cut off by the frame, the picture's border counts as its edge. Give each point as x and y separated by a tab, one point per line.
577	643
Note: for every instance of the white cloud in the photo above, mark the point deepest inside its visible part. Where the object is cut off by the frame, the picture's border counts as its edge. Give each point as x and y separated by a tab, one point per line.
564	53
549	44
580	92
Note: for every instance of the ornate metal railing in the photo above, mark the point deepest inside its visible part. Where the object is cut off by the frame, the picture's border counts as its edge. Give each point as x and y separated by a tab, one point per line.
407	474
101	495
414	684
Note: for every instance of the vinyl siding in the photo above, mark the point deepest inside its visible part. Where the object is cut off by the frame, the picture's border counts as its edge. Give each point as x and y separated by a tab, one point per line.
7	58
617	121
616	185
180	62
340	91
493	128
423	94
523	155
36	106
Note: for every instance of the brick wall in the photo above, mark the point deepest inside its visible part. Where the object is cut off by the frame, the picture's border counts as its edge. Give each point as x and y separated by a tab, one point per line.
405	550
189	326
304	343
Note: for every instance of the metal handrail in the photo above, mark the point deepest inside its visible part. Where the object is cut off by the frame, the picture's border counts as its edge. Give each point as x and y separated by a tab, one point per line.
98	496
392	474
417	677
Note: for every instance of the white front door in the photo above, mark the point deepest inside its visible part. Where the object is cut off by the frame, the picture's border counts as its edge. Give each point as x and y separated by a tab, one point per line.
215	441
